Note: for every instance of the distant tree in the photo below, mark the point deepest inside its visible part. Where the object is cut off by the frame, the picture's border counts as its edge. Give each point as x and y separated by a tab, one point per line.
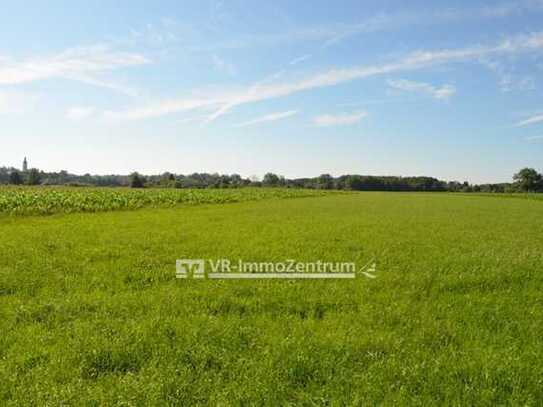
136	180
165	180
466	187
325	181
236	180
167	176
454	186
34	177
15	178
353	182
271	179
528	180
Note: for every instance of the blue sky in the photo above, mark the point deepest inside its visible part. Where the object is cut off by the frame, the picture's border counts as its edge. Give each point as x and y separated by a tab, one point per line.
449	89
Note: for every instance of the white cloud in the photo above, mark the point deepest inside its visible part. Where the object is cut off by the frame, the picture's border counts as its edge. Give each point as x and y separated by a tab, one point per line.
107	84
208	99
79	113
264	90
299	60
394	21
194	37
375	23
339	119
441	93
415	61
508	80
268	118
531	120
80	64
162	108
534	138
12	102
511	8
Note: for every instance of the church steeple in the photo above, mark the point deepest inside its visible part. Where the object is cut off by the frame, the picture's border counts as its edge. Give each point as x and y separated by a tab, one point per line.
25	165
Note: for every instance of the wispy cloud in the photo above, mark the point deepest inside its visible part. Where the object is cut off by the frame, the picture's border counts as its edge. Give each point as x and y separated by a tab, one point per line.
395	21
264	90
507	79
268	118
531	120
79	64
339	119
440	93
534	138
375	23
80	113
415	61
105	83
162	108
299	60
196	37
510	8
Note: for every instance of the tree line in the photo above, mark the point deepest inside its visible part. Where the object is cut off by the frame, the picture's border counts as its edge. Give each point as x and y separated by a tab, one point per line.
526	180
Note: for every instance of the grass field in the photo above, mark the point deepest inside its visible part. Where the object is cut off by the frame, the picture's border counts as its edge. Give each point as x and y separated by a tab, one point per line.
91	312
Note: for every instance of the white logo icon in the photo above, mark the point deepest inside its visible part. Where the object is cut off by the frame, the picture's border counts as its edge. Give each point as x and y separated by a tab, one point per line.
190	268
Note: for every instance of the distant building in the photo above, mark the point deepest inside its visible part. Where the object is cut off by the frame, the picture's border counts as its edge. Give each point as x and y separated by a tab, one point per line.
25	165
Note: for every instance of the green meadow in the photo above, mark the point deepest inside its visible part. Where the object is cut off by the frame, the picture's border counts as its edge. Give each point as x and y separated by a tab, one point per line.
91	312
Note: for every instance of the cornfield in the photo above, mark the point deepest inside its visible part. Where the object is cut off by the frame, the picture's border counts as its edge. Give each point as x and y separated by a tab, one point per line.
50	200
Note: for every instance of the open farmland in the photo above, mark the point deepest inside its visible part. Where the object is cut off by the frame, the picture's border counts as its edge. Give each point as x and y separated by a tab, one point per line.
91	311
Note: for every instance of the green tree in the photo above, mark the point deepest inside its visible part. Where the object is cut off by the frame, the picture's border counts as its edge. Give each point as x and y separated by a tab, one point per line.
325	181
236	180
353	182
528	180
270	179
136	180
15	178
34	177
